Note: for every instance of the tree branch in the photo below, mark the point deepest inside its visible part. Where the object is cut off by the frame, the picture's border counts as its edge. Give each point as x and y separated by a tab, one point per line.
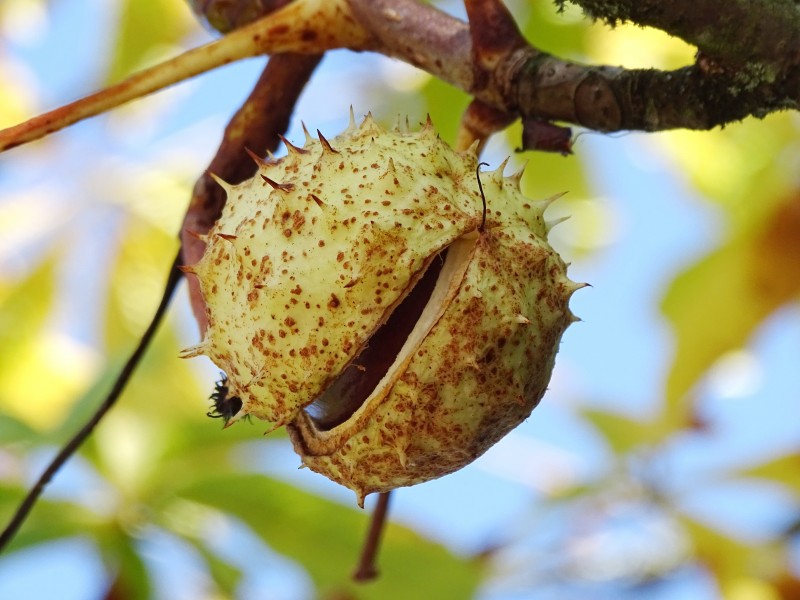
304	26
487	60
227	15
490	60
263	116
733	32
366	569
614	99
110	400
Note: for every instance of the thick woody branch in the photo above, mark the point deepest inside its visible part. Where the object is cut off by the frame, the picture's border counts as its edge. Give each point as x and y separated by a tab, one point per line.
478	123
491	61
420	35
613	99
733	32
522	80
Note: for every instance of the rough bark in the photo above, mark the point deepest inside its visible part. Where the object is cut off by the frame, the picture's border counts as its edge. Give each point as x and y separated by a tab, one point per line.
733	32
517	78
748	62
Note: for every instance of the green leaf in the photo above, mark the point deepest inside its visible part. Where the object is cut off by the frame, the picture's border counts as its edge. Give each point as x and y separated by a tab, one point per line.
14	431
136	282
130	576
741	570
738	167
225	575
27	369
146	28
24	308
445	104
326	539
49	519
87	403
557	30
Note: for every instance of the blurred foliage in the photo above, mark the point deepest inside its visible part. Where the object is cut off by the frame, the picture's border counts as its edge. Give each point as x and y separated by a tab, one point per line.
157	466
753	273
147	32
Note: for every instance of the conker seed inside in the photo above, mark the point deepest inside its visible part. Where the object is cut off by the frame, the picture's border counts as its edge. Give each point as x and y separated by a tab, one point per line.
354	293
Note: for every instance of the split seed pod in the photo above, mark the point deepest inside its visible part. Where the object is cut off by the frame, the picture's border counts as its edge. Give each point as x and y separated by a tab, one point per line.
358	292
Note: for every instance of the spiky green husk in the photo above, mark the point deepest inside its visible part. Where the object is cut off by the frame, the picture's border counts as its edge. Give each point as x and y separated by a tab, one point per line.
312	255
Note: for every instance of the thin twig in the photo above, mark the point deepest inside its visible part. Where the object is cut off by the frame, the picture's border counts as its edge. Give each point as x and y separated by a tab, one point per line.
366	569
304	26
75	442
263	116
478	123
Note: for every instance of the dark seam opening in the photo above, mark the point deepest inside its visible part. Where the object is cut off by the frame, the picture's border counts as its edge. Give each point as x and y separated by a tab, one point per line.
351	389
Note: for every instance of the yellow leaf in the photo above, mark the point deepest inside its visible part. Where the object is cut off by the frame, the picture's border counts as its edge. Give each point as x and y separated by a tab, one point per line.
744	168
717	304
775	266
747	588
622	433
47	375
784	470
148	29
41	370
724	557
637	47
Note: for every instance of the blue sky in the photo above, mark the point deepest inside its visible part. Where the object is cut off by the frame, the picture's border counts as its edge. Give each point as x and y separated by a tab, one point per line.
615	359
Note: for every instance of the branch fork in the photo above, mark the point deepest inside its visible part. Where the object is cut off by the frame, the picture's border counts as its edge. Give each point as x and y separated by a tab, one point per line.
489	59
